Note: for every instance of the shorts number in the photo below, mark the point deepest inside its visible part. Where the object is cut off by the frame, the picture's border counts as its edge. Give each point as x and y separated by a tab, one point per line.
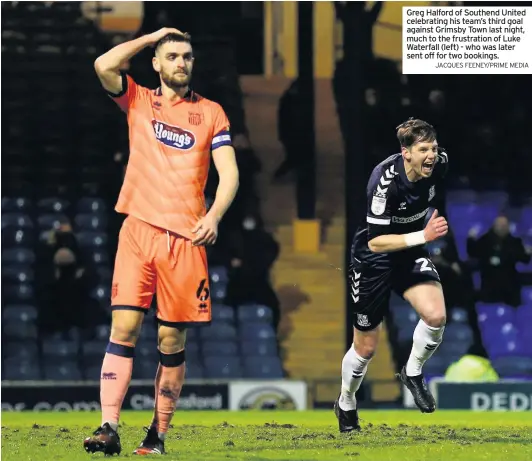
425	265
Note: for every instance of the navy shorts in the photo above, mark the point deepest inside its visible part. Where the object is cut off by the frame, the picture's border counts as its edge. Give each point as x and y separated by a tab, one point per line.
370	288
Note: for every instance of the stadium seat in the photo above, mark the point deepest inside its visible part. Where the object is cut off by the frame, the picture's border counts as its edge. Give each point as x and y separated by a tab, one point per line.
257	331
223	367
218	291
501	348
459	315
18	256
62	371
523	315
55	350
220	348
105	274
17	274
18	220
13	237
453	348
404	316
92	240
91	222
405	335
91	205
218	331
461	196
194	371
221	313
145	369
526	295
52	221
477	280
19	312
21	351
16	205
254	313
53	205
436	366
147	350
490	314
459	332
263	367
494	198
149	331
93	352
101	293
103	332
513	367
266	348
16	370
92	372
218	274
21	293
499	333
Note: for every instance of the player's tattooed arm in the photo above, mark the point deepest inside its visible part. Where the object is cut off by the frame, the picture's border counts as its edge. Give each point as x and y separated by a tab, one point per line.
108	65
436	228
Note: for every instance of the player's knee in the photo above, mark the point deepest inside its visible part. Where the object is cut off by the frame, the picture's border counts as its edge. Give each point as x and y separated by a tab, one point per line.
171	340
436	319
126	326
366	351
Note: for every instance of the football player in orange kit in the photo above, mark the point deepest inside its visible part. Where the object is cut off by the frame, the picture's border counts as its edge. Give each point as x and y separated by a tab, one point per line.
161	249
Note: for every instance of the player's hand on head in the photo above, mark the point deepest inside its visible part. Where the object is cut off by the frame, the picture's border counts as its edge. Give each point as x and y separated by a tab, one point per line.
206	230
161	33
436	227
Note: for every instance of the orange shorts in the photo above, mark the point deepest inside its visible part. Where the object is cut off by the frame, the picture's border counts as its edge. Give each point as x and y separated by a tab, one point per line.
151	260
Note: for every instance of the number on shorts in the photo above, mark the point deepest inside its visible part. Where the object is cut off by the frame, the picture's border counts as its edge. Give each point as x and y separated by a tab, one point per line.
425	265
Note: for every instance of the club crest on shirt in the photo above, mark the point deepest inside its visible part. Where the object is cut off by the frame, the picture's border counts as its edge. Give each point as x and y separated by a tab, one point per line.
173	136
432	192
378	205
194	118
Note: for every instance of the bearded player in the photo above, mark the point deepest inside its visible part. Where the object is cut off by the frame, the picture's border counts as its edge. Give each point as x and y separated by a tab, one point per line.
388	254
172	132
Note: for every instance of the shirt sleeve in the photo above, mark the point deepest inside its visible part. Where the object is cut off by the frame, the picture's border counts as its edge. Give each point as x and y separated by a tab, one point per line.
129	93
381	193
221	130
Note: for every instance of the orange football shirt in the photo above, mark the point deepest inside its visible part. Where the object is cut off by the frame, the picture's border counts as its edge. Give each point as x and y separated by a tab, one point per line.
169	155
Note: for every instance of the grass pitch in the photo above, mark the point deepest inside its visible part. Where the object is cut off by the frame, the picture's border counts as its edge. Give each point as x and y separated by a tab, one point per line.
303	436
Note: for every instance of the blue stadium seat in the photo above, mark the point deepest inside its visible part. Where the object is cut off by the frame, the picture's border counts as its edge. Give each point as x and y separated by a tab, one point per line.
477	281
523	315
16	205
257	331
15	370
17	220
218	331
17	274
223	367
404	316
91	205
53	205
21	293
92	372
464	196
18	256
18	329
194	333
149	331
504	348
220	348
494	198
513	367
19	312
101	293
265	348
223	313
396	300
436	366
453	348
14	237
459	332
194	371
55	350
52	221
147	350
21	351
404	335
526	295
103	332
104	274
92	240
145	369
62	371
218	274
254	313
499	333
91	222
459	315
218	291
263	367
494	314
93	352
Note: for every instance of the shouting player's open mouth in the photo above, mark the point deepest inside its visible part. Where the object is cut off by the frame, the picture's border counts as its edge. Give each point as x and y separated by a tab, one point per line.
428	166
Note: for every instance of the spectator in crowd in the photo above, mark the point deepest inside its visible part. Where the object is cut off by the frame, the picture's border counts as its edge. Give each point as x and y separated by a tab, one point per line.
253	252
497	253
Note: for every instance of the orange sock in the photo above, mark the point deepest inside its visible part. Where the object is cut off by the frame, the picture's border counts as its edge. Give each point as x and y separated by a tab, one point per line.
116	375
168	384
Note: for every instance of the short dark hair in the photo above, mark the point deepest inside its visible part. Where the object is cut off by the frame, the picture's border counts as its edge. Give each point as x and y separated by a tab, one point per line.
173	38
413	131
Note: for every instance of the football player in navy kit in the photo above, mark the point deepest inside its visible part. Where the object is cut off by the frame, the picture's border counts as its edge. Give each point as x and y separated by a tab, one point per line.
388	254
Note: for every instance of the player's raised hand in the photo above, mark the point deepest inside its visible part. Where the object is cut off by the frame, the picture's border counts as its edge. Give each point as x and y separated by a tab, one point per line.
206	230
161	33
436	227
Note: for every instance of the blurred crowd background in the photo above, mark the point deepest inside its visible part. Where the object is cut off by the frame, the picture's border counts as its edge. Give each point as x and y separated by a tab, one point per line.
65	147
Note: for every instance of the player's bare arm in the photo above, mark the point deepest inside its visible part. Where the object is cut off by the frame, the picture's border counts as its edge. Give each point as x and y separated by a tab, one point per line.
436	228
108	65
207	227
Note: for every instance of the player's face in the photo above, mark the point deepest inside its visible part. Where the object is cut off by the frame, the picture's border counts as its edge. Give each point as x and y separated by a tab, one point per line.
174	62
421	157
